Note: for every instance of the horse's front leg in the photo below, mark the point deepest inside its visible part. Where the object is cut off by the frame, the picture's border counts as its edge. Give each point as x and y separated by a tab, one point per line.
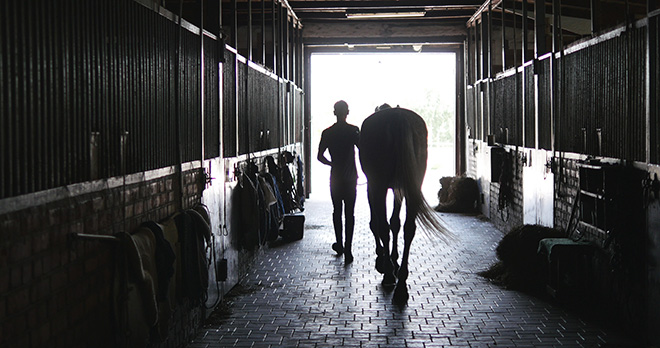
395	226
401	291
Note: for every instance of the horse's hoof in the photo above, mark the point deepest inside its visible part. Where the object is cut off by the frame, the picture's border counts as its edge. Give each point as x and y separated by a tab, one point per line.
400	296
389	280
380	264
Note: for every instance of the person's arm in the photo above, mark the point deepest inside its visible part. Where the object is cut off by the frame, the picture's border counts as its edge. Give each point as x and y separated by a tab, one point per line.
321	154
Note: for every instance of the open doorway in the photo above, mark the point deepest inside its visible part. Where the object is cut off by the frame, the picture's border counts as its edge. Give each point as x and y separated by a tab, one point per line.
422	82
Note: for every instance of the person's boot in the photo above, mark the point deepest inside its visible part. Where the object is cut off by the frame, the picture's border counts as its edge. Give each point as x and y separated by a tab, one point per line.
348	252
336	222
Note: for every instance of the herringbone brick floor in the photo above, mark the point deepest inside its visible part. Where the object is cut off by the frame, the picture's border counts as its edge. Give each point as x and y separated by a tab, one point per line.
301	295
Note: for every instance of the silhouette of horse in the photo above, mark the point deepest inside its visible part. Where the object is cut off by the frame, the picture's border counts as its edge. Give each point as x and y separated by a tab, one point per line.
393	154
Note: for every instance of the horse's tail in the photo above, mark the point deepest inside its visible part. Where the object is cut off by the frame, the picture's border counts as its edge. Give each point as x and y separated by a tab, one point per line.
410	170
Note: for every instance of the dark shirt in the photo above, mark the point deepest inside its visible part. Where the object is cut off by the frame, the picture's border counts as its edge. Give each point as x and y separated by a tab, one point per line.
340	139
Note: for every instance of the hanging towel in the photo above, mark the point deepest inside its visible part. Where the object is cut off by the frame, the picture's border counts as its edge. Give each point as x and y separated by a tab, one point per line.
269	195
165	259
200	238
246	196
171	234
193	232
135	306
143	261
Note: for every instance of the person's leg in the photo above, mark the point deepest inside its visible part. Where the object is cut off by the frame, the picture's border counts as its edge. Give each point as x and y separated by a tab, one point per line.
349	213
336	196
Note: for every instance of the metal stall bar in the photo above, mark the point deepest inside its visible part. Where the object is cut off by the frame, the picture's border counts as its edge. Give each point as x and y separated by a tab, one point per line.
300	125
178	189
229	128
106	152
28	115
234	25
249	32
97	164
486	69
521	82
286	41
130	154
94	109
150	130
146	42
119	96
115	166
144	78
116	99
651	88
273	34
540	49
243	122
21	114
201	99
282	42
74	112
93	237
279	72
41	130
461	138
629	76
539	26
516	114
299	55
640	75
486	30
218	67
554	84
263	32
5	97
211	99
503	17
38	131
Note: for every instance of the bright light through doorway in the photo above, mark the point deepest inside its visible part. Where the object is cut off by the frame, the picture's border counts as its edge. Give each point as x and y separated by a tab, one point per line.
422	82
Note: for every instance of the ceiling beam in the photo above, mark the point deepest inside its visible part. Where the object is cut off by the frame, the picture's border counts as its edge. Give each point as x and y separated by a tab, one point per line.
298	5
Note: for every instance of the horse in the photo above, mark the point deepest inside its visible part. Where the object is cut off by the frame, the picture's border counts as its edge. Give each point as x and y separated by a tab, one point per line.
393	155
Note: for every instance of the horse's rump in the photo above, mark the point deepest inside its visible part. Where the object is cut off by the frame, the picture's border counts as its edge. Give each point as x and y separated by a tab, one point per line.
393	147
393	154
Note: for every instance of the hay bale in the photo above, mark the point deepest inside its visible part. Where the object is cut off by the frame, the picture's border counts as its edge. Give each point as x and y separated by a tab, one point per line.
458	194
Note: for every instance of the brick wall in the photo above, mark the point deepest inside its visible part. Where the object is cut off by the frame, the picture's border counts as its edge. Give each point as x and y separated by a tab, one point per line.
56	291
567	184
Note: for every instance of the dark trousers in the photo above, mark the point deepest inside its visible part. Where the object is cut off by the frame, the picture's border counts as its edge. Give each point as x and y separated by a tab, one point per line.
343	196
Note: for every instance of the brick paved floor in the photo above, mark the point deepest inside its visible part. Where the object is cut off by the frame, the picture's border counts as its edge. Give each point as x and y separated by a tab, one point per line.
301	295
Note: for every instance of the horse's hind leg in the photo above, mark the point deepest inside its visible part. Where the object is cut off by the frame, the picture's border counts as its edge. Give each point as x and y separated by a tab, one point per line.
380	229
395	226
401	291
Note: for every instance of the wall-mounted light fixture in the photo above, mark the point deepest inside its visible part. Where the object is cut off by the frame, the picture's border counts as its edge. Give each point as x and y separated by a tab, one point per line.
384	15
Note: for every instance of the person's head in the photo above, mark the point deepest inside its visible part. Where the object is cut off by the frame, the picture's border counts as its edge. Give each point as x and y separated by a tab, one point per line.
341	110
